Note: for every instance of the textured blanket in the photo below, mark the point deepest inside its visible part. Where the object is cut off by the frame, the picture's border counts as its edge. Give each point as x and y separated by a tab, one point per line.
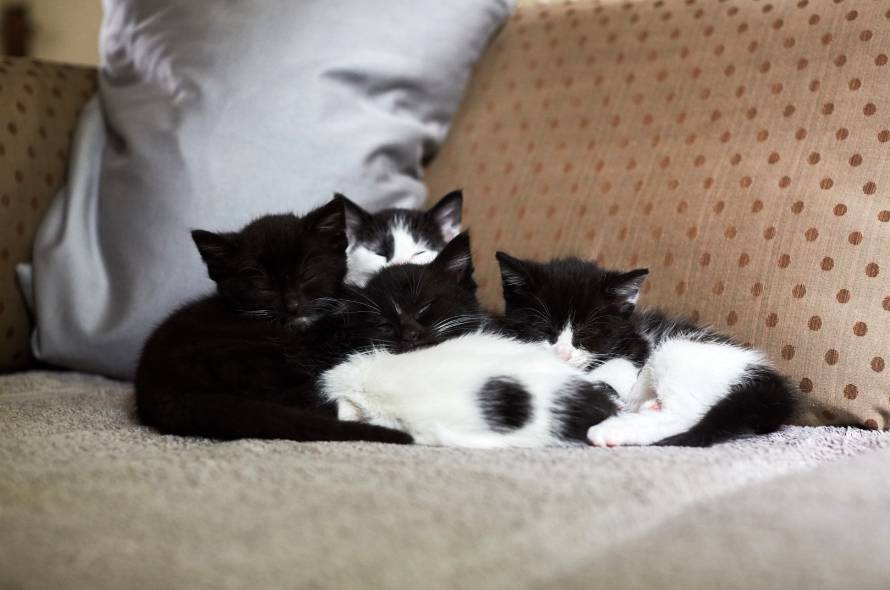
89	499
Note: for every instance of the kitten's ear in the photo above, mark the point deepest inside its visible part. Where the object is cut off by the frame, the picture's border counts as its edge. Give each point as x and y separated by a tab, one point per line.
515	275
328	221
356	216
216	250
457	259
625	288
447	214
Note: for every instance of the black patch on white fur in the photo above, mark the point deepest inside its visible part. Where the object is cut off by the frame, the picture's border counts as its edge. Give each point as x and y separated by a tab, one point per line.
579	406
759	404
505	403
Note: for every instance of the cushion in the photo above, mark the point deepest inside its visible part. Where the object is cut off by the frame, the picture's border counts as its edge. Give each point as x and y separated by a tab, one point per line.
40	103
739	151
220	112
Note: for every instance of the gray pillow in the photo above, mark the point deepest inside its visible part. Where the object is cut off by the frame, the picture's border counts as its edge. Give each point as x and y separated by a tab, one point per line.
217	112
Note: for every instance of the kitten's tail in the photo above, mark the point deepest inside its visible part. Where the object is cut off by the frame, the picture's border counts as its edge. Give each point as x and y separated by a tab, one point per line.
758	405
228	417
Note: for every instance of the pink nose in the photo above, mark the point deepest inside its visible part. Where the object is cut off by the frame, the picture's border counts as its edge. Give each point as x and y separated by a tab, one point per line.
564	351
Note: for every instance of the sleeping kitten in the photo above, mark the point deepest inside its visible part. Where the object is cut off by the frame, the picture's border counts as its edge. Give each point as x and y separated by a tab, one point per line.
409	306
398	236
680	384
480	390
243	362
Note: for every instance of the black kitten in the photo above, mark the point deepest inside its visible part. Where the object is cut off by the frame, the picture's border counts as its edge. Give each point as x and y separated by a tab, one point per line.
242	363
398	236
681	384
409	306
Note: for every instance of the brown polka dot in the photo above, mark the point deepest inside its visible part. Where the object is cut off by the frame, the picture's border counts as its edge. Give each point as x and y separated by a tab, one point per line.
881	59
884	135
744	259
869	109
872	269
869	188
855	160
843	296
814	158
757	289
870	424
730	232
772	320
855	238
851	391
832	356
704	259
718	287
827	263
784	261
840	209
785	182
811	234
797	207
787	352
842	134
799	291
860	328
806	385
680	287
826	183
756	206
884	216
769	233
732	318
815	323
877	364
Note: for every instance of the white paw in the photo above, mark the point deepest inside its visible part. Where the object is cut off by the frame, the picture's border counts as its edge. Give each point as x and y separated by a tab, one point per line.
613	432
652	405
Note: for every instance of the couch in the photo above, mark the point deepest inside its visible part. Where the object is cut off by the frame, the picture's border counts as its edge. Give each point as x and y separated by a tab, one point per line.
735	149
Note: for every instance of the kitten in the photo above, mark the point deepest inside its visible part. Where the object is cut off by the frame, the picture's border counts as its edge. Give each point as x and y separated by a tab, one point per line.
480	390
398	236
434	372
409	306
243	362
680	384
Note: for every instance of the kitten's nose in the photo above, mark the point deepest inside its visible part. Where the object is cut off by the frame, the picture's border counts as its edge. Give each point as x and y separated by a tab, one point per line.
411	334
564	351
292	306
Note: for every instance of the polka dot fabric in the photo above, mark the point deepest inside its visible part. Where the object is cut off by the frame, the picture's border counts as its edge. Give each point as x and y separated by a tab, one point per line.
739	150
39	105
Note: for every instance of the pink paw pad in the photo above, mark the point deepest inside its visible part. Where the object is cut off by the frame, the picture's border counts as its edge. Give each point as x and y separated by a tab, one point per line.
653	405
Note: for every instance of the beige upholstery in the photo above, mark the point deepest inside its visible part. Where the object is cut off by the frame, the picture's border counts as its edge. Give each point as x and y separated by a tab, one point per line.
739	150
39	103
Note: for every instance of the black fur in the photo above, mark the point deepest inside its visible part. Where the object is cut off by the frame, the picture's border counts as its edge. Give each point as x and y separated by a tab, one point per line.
505	404
243	362
541	298
409	306
759	405
579	406
372	229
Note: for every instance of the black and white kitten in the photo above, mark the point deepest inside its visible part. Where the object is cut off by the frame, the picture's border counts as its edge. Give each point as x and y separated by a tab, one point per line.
437	371
243	362
398	236
680	384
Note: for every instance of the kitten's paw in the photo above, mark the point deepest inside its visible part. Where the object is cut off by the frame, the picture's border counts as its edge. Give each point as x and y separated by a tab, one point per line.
652	405
613	432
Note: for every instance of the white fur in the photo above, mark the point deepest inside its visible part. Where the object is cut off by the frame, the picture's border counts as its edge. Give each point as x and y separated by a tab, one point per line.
564	349
682	379
362	263
432	393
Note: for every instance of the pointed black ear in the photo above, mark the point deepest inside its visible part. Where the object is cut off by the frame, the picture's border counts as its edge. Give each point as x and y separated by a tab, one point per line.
457	259
447	214
515	275
328	221
356	216
625	288
216	250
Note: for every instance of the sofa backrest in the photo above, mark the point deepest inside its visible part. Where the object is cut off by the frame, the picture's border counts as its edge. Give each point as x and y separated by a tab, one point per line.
740	151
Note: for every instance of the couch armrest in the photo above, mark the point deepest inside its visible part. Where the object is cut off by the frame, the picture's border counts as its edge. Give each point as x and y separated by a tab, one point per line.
39	107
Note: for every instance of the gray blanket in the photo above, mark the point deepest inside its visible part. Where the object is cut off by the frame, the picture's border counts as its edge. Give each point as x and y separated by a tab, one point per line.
89	499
